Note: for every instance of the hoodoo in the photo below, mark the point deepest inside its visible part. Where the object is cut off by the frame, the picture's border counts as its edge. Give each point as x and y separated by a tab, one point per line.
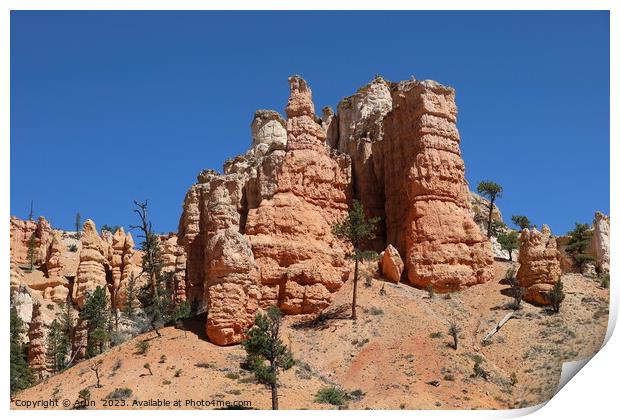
259	234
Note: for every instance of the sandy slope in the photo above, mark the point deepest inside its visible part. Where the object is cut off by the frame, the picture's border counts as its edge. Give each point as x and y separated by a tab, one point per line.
390	353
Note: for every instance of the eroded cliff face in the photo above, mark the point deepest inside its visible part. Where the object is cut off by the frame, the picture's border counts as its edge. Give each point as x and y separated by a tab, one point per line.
221	272
260	233
105	261
407	169
53	260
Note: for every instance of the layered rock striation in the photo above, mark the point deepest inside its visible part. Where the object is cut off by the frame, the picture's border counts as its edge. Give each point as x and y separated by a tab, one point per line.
255	235
53	259
427	211
220	270
407	169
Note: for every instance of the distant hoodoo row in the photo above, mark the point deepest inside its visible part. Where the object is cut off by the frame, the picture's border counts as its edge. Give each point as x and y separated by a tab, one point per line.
259	234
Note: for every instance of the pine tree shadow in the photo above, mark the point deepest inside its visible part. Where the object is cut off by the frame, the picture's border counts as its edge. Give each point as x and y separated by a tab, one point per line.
324	318
195	325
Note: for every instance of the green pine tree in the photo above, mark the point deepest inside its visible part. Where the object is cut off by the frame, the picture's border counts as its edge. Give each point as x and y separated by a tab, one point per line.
129	308
21	375
355	228
557	296
56	351
158	306
577	246
182	311
509	241
522	221
492	192
32	247
266	354
97	314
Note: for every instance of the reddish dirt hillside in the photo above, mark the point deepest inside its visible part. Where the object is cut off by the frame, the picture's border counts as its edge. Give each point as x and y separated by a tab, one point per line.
397	353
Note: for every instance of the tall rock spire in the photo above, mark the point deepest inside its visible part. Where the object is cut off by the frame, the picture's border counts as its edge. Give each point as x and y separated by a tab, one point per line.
426	194
302	129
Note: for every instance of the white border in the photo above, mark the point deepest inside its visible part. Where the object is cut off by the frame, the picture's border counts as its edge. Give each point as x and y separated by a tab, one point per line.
593	395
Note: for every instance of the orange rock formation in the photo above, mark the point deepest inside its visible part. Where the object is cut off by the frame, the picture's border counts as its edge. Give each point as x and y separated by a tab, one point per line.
539	261
260	233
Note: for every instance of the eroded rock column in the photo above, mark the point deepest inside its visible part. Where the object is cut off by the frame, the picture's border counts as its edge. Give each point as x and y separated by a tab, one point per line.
426	195
36	339
300	261
539	261
93	262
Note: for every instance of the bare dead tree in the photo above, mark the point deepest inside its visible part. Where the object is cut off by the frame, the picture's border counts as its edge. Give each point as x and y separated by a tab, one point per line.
454	330
157	303
148	247
95	367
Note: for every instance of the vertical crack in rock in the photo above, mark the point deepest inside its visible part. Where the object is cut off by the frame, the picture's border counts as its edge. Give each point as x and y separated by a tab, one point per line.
360	135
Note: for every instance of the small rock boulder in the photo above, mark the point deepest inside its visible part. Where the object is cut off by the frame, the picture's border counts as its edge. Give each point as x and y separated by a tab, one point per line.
391	265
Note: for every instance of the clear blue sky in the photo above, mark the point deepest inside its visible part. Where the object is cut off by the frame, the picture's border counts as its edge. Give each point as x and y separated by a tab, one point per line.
107	107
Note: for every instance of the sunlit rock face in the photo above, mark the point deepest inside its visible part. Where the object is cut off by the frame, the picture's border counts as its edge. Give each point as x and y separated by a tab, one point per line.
600	242
260	233
539	267
93	264
301	263
426	195
21	232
